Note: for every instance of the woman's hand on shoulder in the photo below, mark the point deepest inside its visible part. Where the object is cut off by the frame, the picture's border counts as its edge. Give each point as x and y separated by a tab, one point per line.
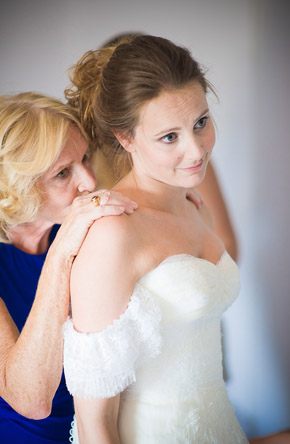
81	214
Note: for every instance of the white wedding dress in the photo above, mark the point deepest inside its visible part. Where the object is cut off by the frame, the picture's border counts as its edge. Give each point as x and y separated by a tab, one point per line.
164	356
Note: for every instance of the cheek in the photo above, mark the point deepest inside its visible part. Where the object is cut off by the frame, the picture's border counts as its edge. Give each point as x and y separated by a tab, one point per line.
168	160
210	138
59	200
157	159
65	199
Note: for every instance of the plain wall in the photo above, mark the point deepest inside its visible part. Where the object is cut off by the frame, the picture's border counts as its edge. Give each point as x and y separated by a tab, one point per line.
245	46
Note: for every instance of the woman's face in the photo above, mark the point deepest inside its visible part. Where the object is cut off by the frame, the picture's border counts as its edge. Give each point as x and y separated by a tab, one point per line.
174	137
70	176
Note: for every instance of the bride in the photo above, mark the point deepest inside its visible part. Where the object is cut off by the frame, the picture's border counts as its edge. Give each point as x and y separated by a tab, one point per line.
143	349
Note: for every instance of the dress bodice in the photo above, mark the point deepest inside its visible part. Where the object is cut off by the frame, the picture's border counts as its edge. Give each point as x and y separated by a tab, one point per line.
192	294
164	356
189	288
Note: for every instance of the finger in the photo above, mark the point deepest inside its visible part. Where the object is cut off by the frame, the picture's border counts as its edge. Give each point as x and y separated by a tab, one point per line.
114	198
123	202
108	197
109	210
104	197
111	198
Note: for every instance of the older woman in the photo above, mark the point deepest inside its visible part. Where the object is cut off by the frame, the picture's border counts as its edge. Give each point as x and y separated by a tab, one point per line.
45	180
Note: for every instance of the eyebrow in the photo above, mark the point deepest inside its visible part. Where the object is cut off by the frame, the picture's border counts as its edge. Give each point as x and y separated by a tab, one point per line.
170	130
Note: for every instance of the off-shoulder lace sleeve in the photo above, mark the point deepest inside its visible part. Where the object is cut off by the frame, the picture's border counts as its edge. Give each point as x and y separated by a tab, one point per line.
103	364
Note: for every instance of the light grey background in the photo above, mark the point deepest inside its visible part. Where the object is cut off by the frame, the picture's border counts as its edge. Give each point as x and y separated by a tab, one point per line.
245	46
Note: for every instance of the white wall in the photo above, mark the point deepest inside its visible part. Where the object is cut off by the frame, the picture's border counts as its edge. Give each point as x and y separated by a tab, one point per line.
245	45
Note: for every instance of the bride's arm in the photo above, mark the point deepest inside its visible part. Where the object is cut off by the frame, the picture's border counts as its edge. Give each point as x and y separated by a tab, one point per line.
97	420
102	280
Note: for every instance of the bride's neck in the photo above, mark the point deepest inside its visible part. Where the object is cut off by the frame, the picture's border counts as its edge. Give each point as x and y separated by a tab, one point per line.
152	193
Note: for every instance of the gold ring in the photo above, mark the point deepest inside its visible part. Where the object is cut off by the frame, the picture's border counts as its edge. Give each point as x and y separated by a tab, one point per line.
96	200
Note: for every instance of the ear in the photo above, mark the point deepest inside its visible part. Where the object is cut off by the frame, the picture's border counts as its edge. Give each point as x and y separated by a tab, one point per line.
126	140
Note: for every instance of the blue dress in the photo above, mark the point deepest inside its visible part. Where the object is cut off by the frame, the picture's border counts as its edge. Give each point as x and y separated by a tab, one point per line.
19	274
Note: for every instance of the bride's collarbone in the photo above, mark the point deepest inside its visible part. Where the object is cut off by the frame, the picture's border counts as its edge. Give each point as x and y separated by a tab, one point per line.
162	235
158	245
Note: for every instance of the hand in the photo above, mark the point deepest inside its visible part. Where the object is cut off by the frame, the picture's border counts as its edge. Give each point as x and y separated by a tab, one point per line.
82	213
195	198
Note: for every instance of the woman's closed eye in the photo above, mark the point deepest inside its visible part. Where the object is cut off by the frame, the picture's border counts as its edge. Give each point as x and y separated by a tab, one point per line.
63	174
87	157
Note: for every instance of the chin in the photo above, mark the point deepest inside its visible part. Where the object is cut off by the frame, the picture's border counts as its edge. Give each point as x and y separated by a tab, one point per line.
193	181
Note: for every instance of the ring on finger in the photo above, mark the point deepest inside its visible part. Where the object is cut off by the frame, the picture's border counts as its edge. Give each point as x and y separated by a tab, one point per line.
96	200
101	198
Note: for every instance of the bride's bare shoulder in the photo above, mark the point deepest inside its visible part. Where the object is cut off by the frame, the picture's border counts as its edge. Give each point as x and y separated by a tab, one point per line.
110	234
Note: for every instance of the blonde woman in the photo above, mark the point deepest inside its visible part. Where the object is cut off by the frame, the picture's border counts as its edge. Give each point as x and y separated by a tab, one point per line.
45	180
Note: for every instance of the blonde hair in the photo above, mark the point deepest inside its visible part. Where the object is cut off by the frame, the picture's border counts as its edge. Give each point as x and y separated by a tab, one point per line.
110	85
33	131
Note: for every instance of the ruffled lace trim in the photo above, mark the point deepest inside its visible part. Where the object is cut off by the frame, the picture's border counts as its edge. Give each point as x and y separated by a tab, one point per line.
72	437
103	364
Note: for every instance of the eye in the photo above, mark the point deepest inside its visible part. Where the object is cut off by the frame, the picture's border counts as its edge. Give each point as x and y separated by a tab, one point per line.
169	138
86	157
201	123
63	174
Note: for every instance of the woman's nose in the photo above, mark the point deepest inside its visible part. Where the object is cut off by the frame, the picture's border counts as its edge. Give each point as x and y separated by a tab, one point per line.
195	148
87	180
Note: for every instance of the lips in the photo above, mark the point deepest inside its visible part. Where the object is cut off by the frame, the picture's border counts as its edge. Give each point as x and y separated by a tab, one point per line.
192	168
196	167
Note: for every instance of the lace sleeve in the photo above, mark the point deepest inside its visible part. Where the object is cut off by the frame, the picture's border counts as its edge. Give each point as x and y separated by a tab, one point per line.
103	364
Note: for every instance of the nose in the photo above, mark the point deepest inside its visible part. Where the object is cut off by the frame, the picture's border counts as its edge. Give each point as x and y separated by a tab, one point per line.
86	179
195	149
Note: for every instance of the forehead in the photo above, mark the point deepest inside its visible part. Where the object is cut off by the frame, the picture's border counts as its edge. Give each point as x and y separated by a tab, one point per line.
73	150
75	145
174	106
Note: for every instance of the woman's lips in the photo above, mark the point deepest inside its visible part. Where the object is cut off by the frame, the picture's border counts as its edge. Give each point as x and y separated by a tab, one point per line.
192	168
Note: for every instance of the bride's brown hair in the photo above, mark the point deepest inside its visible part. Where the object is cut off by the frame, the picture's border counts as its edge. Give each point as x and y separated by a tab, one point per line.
110	85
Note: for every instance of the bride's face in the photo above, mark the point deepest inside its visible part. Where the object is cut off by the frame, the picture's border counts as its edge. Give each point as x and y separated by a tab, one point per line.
174	137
